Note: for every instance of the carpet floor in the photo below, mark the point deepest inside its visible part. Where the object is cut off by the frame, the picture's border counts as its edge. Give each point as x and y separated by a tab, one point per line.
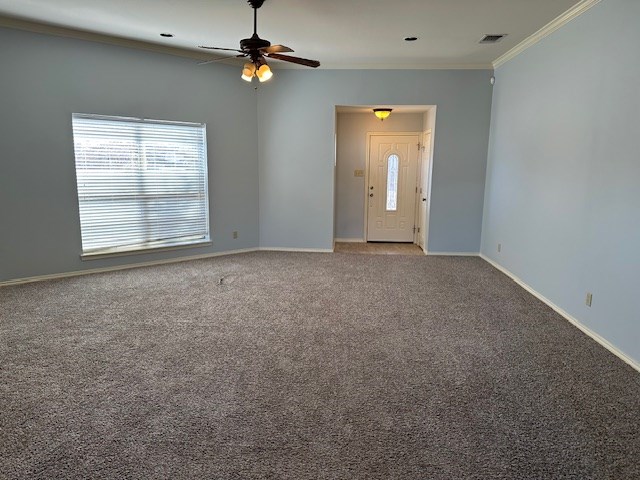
307	366
378	248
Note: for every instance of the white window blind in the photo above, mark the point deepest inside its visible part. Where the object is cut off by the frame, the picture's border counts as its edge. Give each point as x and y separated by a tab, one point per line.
141	183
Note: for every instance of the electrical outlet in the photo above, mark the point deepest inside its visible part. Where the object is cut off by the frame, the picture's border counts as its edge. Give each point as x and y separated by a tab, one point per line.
235	234
499	247
588	299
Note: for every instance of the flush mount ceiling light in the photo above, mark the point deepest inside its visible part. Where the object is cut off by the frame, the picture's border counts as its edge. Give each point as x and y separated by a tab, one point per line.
382	113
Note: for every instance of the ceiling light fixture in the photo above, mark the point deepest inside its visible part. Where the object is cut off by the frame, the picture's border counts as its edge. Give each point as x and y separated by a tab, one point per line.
382	113
248	71
257	69
264	73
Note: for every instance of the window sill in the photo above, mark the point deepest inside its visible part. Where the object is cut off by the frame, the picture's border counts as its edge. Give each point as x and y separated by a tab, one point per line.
144	250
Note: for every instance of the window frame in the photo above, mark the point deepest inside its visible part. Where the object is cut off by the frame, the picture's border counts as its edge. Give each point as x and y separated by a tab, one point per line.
153	245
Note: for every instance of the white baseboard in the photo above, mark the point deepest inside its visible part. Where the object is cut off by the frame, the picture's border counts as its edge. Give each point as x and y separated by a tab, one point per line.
453	254
53	276
302	250
89	271
349	240
574	321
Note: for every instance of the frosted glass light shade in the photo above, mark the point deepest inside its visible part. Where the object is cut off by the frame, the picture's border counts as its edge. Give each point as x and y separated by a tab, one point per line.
382	113
248	71
264	73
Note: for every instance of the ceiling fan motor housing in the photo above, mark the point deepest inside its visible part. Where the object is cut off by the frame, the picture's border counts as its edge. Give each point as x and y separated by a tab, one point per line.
255	3
254	43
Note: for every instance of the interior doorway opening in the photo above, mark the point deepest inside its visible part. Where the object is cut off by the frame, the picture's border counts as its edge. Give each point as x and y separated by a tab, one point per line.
382	181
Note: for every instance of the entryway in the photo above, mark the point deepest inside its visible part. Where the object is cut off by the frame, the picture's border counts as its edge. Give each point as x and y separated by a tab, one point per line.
383	175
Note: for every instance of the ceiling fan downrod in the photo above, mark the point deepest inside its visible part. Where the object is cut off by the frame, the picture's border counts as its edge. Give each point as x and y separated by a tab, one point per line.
255	4
255	22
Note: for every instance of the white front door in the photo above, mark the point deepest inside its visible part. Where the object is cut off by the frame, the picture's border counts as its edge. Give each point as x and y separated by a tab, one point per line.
391	194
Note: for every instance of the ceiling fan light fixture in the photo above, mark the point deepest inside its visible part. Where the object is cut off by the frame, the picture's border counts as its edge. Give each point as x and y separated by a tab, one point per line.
257	49
382	113
248	71
264	73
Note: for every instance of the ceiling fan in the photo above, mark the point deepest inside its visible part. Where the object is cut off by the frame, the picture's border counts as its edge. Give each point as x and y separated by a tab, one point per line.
258	50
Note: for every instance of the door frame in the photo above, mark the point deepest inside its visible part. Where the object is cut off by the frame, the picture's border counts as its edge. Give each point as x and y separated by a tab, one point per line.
428	157
365	233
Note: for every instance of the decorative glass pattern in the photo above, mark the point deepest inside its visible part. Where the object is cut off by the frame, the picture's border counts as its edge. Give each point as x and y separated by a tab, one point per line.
392	183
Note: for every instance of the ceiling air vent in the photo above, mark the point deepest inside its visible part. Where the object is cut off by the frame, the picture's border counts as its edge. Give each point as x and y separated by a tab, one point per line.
493	37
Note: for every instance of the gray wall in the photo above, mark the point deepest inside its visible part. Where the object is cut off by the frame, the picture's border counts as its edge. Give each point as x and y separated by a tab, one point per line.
563	180
352	145
297	149
45	79
271	175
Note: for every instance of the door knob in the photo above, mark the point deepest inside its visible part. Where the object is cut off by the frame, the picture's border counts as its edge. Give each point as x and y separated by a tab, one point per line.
424	199
371	194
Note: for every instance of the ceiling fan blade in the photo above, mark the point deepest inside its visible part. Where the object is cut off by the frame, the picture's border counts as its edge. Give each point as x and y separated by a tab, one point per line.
276	49
222	59
299	61
219	48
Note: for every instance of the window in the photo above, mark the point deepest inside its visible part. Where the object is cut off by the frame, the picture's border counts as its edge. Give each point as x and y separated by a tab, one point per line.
392	183
141	183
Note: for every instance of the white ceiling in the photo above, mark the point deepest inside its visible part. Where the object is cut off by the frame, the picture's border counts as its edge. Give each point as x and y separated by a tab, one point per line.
339	33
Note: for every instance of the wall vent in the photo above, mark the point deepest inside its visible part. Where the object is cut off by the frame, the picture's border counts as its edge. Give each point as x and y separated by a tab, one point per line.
493	37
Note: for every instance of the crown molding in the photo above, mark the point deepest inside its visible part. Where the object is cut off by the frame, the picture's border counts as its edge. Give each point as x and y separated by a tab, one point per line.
47	29
411	66
545	31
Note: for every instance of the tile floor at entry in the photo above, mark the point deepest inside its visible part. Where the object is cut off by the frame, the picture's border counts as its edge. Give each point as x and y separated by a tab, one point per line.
376	248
